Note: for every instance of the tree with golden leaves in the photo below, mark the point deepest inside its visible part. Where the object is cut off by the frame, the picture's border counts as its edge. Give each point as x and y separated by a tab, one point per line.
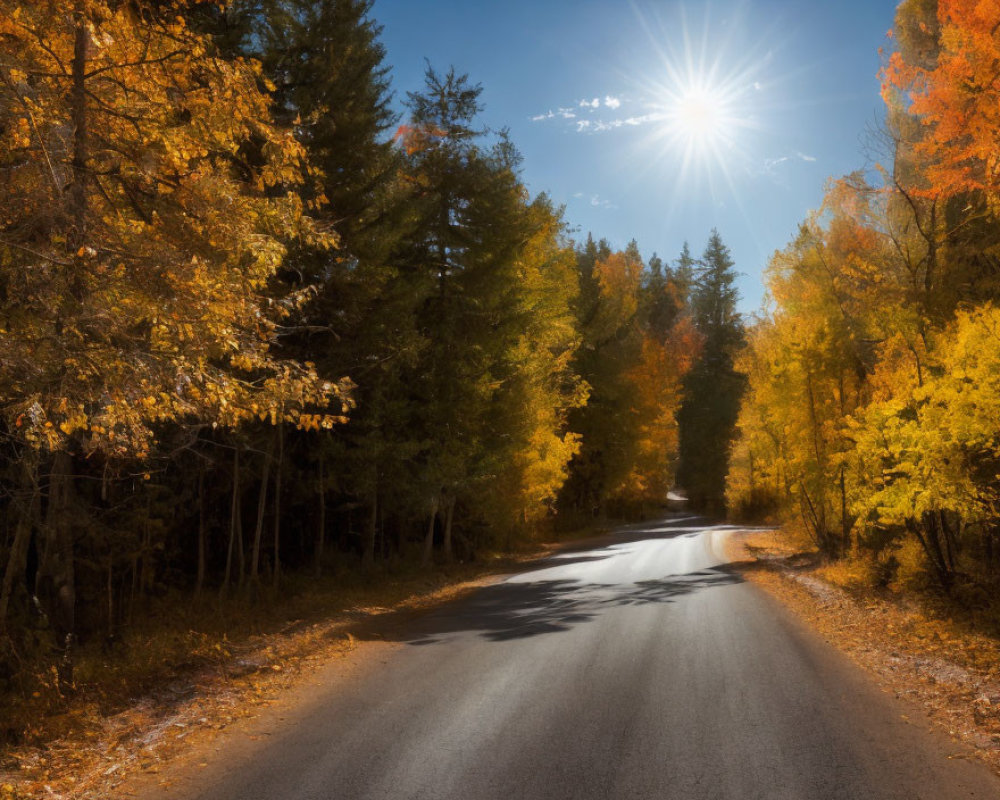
147	202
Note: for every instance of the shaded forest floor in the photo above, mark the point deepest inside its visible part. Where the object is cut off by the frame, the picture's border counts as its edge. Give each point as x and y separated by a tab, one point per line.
194	670
917	647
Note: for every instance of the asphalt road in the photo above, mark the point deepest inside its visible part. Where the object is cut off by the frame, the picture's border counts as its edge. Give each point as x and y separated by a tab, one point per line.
642	669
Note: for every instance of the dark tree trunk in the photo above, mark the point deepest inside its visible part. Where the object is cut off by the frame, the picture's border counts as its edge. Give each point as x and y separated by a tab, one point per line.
235	522
56	580
261	508
81	145
277	503
321	524
429	538
449	516
199	584
371	531
17	560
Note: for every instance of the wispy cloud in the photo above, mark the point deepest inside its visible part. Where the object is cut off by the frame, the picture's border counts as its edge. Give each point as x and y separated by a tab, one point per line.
594	200
559	113
634	121
610	101
589	105
771	163
596	122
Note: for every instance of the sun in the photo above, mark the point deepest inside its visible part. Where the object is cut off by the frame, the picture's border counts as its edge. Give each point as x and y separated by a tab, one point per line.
707	90
699	115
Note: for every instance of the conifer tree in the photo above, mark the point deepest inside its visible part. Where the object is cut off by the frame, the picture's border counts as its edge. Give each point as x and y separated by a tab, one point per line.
474	226
713	388
683	273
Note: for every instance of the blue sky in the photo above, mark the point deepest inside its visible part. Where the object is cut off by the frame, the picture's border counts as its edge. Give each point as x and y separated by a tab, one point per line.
728	114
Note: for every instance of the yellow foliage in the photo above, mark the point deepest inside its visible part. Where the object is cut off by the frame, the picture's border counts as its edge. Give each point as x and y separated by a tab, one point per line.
136	292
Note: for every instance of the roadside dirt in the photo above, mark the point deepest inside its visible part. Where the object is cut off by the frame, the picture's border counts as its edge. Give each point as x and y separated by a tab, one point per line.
950	673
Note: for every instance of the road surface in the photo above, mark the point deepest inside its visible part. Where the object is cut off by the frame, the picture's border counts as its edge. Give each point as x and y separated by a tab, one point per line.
645	668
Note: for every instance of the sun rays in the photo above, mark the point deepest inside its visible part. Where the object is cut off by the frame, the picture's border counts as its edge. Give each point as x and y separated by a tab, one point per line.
705	89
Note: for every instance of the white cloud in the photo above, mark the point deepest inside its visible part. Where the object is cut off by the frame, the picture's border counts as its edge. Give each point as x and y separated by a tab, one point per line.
595	123
633	122
599	202
564	113
769	165
594	200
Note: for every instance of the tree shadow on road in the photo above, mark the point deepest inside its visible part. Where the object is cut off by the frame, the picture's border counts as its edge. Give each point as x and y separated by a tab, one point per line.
517	610
522	608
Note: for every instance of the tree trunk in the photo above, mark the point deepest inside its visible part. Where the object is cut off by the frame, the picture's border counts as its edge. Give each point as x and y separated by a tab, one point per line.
277	503
845	522
449	515
372	529
110	588
261	508
429	538
199	583
321	526
81	146
234	521
950	540
22	537
932	549
56	579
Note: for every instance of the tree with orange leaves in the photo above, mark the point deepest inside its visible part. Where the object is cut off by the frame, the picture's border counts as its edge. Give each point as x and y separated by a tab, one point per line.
955	96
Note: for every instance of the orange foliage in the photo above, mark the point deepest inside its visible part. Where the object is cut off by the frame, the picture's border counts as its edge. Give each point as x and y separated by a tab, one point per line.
958	100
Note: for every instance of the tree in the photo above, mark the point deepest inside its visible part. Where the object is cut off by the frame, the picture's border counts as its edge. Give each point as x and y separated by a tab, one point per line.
948	75
638	343
147	203
713	388
326	63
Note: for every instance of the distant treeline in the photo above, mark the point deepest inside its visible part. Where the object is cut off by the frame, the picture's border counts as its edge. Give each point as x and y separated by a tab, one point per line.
252	322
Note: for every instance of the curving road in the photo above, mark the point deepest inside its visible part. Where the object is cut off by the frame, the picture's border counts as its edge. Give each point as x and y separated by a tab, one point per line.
642	668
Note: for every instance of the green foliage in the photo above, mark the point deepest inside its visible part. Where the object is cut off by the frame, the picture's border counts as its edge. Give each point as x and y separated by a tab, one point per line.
713	387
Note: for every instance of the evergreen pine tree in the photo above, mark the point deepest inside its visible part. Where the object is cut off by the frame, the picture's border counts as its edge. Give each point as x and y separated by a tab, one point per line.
713	388
683	273
326	64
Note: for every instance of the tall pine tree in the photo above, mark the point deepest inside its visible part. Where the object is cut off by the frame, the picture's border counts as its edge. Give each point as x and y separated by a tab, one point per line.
713	388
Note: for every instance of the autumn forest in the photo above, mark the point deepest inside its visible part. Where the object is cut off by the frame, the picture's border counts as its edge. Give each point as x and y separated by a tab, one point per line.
259	330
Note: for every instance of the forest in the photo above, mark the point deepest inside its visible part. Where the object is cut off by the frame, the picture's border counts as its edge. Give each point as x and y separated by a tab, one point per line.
871	419
258	329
